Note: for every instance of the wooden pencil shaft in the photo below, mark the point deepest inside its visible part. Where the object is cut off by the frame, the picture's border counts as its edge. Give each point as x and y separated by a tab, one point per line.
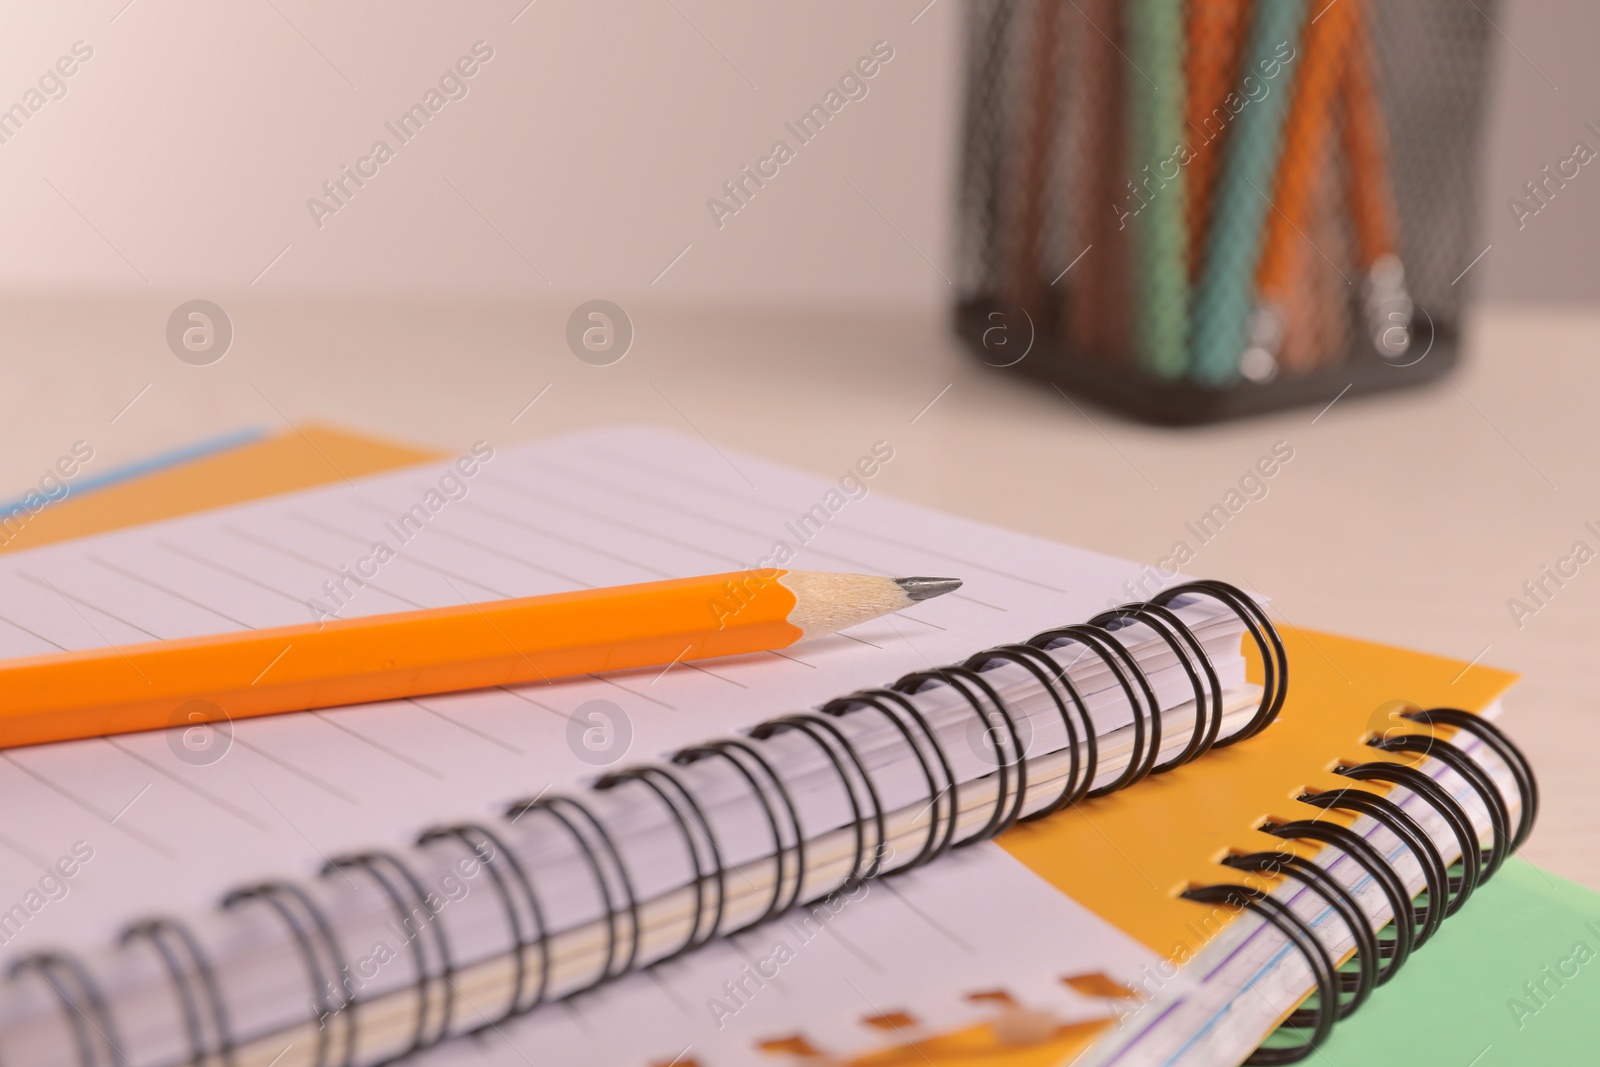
199	680
1308	131
1366	143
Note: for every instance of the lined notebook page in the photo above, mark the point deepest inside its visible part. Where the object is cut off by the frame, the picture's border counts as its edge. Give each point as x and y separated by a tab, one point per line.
171	828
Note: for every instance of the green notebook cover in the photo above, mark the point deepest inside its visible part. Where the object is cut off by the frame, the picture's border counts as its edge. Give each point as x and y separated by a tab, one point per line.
1512	978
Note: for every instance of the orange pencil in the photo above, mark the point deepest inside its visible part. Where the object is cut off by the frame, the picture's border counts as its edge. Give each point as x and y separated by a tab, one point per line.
1305	148
1372	208
1366	142
193	680
1306	143
1317	323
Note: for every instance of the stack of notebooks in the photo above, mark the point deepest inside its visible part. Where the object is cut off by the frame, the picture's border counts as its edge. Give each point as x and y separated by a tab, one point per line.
1075	830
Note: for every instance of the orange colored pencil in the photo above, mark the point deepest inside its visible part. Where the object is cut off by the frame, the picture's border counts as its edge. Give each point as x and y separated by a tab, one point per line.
1366	142
1316	320
1386	300
194	680
1308	133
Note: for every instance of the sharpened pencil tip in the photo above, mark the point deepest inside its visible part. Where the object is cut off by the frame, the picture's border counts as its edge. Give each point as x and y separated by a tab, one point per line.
927	588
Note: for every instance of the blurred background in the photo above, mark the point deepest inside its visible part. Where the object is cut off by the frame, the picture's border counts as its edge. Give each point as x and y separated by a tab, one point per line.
580	161
203	150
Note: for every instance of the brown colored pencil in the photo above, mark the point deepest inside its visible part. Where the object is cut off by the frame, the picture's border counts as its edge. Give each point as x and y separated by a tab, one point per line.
1031	186
1099	303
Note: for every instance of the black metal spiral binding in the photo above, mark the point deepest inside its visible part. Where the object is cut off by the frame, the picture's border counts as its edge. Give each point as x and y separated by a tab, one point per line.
1146	713
553	806
1377	959
1207	699
1389	815
1053	677
1476	777
1398	948
481	839
83	1004
1321	1019
652	777
1274	659
1492	736
204	1009
779	849
333	1000
1454	815
725	749
406	893
894	704
818	729
195	984
992	713
844	705
1367	959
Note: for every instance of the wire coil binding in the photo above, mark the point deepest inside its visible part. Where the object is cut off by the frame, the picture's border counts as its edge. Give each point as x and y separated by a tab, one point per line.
335	1008
1377	959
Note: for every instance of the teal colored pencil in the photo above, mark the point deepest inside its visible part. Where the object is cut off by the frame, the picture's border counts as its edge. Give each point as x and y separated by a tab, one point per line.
1226	291
1156	84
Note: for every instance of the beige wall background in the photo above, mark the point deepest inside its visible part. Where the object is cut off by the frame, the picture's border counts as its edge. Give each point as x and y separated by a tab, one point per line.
579	162
1548	89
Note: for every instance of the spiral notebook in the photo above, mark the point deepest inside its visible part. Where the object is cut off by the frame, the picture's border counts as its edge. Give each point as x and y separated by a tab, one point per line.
877	965
165	824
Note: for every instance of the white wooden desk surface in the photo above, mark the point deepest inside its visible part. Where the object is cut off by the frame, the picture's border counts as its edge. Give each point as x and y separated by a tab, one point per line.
1409	519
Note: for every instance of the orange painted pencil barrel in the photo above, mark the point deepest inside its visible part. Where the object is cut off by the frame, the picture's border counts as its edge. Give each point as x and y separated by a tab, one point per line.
1306	142
1366	142
384	657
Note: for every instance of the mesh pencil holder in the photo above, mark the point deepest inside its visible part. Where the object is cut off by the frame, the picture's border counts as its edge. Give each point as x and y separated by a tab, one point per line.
1193	210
